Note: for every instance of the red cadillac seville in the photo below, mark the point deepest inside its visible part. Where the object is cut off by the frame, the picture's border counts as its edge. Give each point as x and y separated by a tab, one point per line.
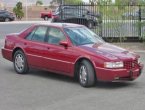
72	50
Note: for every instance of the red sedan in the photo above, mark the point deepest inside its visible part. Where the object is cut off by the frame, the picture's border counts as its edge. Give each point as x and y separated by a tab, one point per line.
72	50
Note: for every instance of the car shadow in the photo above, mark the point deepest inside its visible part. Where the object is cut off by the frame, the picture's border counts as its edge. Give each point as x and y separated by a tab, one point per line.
52	76
55	76
115	85
66	79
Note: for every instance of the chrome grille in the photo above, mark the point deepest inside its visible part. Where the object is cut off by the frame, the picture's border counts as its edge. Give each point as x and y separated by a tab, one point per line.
131	64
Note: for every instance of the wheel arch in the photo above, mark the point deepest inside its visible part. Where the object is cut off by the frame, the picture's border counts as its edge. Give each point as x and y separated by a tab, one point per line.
77	63
16	49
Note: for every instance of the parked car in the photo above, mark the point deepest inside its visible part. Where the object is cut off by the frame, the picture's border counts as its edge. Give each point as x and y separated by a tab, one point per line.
78	15
72	50
46	15
6	16
134	15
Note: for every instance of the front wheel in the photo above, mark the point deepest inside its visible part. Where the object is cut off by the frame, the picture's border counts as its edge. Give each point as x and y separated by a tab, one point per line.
20	62
46	18
86	74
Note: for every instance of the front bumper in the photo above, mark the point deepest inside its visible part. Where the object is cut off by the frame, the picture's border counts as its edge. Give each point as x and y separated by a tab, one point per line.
12	18
103	74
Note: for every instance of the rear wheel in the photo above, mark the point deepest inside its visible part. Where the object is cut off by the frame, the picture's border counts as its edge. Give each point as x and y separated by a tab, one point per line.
20	62
7	19
86	74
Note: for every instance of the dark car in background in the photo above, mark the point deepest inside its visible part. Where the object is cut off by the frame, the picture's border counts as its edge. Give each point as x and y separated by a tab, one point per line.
78	15
6	16
135	15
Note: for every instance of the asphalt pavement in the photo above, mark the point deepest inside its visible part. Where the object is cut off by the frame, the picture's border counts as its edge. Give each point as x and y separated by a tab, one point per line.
41	90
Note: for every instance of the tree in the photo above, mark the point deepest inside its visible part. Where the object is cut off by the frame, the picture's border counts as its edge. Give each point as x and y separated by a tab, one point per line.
93	2
18	10
141	2
129	2
67	1
100	2
39	2
72	1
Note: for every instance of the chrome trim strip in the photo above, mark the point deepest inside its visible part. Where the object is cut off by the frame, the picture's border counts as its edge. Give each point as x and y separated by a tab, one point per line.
112	69
50	58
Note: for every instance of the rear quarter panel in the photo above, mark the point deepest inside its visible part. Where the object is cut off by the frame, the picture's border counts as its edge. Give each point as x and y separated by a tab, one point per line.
11	42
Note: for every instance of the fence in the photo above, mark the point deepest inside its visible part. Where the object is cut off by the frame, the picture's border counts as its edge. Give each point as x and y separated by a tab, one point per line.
123	23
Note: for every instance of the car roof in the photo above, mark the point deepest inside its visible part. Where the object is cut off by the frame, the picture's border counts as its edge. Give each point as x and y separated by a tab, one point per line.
4	11
61	25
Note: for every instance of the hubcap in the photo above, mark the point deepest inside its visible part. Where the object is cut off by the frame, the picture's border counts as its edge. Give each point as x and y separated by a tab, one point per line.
7	19
19	62
83	74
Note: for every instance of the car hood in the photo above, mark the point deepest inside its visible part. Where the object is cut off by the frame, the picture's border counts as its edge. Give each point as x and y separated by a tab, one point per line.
109	51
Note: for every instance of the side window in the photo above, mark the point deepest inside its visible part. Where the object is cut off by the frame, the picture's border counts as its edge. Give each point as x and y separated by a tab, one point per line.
30	35
39	34
2	12
55	36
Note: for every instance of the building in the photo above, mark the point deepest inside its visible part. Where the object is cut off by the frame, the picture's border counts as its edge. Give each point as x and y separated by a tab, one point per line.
2	6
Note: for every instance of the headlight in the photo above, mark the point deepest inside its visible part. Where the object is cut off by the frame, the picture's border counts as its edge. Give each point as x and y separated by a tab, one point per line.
113	65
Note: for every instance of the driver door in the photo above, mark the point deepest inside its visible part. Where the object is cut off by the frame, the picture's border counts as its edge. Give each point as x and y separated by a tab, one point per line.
60	57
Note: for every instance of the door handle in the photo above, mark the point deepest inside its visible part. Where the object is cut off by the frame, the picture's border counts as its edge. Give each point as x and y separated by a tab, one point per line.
48	48
25	43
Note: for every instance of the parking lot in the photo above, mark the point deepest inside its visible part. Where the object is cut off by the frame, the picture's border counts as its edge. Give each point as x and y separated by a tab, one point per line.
40	90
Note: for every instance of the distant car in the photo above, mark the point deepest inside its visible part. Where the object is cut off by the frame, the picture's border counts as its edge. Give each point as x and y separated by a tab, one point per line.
72	50
78	15
134	15
46	15
6	16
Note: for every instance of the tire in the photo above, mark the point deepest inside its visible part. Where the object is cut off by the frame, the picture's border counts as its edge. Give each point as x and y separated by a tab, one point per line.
53	20
20	62
7	19
90	24
46	18
86	74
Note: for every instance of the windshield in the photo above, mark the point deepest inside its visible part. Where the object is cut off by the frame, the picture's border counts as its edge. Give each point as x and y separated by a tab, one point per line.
82	36
57	10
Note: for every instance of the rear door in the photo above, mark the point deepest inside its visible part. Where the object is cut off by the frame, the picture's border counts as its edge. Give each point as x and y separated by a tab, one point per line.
36	47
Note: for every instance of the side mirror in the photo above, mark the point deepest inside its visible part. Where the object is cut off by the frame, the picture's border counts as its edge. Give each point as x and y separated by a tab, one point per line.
63	43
